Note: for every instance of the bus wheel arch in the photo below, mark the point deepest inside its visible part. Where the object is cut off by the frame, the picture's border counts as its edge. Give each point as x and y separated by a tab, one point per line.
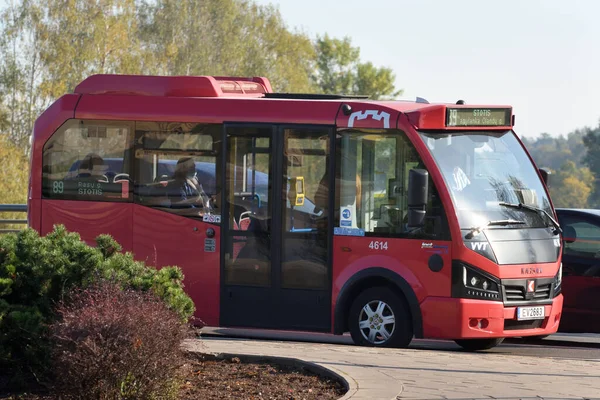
375	277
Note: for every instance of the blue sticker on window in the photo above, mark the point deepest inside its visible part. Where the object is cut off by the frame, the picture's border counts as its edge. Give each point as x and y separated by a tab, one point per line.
348	232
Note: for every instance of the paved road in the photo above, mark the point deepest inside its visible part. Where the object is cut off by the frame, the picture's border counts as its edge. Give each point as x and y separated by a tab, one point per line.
558	346
429	369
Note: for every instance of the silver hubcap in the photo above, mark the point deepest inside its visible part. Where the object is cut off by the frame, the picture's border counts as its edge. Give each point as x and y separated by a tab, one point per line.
376	322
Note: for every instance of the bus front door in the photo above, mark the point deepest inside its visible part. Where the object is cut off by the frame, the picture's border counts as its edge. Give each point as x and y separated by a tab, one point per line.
276	269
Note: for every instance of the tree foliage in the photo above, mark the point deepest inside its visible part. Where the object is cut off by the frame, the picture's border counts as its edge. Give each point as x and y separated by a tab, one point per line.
339	70
48	47
574	164
571	186
225	38
14	177
592	160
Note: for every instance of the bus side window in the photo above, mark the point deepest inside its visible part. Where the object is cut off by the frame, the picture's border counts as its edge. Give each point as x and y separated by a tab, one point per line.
176	167
372	185
89	160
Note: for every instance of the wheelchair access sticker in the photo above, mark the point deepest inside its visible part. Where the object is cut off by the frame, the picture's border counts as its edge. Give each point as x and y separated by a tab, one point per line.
346	217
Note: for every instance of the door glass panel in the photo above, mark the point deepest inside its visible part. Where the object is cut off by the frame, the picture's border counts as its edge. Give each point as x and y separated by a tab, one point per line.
305	224
248	194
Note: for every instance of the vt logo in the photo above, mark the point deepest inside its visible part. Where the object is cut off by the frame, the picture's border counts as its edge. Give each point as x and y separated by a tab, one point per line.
479	246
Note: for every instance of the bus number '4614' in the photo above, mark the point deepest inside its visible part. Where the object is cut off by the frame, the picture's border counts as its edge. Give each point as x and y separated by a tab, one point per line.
375	245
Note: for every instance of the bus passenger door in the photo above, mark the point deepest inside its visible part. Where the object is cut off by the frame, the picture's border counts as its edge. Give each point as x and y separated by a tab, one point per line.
247	220
305	283
275	246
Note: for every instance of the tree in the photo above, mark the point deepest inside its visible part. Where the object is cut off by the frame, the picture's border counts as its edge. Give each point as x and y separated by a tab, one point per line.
14	176
225	37
591	140
339	70
81	38
17	72
571	186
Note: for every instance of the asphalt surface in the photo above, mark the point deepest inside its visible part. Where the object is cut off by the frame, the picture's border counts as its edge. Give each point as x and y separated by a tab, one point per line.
574	347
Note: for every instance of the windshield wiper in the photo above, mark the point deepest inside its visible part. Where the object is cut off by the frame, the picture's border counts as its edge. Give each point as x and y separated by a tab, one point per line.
502	222
521	206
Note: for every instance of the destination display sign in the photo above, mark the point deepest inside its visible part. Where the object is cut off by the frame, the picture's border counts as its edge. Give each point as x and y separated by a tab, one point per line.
478	116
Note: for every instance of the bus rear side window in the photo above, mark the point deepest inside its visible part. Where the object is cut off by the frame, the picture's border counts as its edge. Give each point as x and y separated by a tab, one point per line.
88	160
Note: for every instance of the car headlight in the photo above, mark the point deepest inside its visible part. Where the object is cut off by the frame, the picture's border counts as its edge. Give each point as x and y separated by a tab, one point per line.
469	282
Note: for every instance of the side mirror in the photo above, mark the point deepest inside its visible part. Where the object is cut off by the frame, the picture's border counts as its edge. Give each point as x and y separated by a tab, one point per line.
545	172
418	188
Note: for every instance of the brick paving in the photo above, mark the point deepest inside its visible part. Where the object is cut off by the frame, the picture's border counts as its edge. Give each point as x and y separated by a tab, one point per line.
428	374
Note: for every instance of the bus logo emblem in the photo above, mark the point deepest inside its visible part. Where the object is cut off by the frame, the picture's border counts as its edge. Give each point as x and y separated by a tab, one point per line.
530	286
374	114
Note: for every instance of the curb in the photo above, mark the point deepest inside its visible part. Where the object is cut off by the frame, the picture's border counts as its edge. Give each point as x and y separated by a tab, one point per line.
349	384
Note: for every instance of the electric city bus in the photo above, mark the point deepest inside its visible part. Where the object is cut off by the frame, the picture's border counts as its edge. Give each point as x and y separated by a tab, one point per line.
326	213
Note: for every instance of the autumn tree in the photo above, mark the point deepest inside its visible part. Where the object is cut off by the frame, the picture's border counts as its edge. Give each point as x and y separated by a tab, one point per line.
571	186
339	70
14	176
82	38
19	70
225	37
591	141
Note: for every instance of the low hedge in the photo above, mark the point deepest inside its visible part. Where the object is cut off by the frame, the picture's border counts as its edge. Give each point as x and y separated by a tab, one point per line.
38	272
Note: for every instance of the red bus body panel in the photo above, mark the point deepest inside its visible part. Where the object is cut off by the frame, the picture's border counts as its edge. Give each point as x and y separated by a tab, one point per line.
90	219
162	239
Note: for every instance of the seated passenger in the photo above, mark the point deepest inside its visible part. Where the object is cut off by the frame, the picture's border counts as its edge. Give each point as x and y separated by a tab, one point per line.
92	168
185	191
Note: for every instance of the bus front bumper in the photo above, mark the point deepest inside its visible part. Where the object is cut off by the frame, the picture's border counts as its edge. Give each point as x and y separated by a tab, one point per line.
450	318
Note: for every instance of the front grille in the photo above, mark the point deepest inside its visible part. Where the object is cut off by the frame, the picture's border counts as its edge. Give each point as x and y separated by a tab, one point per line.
513	324
514	291
517	293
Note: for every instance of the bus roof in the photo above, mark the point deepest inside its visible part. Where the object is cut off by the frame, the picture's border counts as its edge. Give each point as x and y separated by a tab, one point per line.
237	97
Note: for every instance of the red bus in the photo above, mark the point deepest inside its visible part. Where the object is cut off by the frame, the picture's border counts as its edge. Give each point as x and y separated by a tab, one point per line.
328	213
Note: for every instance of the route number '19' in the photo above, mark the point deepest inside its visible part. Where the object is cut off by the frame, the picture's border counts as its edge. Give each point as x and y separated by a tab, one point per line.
375	245
58	187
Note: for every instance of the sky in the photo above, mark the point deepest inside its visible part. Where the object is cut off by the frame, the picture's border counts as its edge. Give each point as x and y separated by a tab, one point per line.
542	57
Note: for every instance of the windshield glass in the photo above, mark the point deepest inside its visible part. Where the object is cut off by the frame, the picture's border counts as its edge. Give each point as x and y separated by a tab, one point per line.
484	169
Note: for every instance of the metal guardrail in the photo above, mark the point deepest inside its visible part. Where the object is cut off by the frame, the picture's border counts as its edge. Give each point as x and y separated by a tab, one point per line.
13	208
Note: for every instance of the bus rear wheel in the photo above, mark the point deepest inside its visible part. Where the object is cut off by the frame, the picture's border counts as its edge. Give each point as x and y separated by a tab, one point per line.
478	344
380	318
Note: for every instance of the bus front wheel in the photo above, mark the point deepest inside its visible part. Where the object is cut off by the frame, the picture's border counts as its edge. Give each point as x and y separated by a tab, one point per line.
478	344
380	318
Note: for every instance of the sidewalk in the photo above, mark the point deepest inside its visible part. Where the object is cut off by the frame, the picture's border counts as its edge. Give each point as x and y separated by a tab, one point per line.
423	374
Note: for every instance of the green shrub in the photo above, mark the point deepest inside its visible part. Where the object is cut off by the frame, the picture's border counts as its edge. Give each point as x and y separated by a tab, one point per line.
37	272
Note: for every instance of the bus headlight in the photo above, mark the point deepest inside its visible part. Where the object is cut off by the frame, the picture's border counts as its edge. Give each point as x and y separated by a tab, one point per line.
558	281
469	282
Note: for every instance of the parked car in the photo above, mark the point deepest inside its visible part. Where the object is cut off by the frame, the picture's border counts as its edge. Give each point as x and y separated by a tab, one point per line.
581	270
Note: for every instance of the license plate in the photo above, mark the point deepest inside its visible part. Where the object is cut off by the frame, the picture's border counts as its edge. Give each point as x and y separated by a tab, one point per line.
530	313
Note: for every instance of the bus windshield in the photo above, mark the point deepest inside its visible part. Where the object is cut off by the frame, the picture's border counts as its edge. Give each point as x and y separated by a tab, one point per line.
483	170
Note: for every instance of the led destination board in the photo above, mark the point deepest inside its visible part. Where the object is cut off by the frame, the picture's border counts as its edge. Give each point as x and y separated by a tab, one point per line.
478	117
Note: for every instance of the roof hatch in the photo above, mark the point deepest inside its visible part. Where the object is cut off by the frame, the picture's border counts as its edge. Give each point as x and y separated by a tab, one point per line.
175	86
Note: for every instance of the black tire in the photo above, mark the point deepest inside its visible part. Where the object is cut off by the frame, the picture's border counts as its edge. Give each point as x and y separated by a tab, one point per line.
478	344
402	331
